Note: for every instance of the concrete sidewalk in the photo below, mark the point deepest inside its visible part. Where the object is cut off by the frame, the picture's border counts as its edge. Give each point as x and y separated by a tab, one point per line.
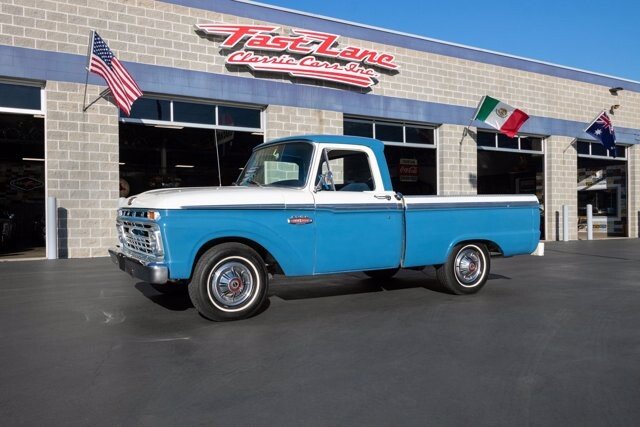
549	341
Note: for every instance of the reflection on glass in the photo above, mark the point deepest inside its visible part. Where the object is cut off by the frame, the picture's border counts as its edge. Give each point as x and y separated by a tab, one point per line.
16	96
280	165
151	109
239	117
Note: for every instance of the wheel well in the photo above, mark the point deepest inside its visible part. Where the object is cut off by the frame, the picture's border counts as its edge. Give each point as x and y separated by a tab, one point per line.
272	264
493	247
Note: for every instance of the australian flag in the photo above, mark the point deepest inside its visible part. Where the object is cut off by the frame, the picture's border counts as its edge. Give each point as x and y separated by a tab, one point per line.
602	129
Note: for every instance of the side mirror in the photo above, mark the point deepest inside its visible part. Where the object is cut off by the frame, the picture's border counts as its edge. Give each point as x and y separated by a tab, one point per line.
325	182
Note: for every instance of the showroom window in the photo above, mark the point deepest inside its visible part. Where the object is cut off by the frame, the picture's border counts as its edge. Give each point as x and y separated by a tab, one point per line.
512	166
168	143
22	170
602	183
410	151
21	97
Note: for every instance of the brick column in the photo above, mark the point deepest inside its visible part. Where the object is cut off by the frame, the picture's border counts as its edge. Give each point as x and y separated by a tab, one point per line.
561	162
457	161
82	168
633	193
284	121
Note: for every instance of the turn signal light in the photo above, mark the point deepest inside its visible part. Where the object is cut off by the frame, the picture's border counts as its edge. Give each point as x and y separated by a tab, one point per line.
153	215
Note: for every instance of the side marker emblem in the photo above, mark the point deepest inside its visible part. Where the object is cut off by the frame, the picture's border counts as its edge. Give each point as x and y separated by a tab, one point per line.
300	220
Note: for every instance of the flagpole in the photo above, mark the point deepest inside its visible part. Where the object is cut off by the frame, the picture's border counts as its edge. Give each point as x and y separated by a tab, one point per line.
86	80
465	132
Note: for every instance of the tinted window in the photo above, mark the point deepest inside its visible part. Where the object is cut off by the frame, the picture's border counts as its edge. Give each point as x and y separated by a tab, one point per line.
391	133
583	147
152	109
419	135
358	129
239	117
15	96
621	151
530	143
598	150
486	139
194	113
505	142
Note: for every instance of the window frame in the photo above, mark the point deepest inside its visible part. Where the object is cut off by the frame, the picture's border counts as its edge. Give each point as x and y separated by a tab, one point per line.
403	124
519	138
179	125
608	156
43	99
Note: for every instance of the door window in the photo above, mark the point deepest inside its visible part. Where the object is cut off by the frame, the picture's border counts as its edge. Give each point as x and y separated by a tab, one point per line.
347	170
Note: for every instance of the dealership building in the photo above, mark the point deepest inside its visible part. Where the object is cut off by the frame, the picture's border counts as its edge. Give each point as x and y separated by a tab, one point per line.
220	77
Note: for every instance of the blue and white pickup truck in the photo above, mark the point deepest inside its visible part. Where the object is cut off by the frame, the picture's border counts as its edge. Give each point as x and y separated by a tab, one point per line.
313	205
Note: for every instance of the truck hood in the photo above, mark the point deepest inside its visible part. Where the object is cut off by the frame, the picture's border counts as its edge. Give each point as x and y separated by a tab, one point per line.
217	197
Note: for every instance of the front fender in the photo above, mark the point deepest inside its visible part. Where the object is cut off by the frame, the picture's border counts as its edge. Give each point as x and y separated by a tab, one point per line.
185	232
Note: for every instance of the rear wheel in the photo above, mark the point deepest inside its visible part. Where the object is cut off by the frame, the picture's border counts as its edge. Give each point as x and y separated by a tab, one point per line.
229	282
466	270
382	274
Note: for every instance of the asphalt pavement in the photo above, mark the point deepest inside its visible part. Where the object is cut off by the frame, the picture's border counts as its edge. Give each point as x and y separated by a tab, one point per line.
551	340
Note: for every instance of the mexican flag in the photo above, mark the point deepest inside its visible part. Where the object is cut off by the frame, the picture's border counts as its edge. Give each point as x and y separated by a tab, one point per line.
501	116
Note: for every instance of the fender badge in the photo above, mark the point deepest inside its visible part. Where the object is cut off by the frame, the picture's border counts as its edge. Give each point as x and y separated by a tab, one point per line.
300	220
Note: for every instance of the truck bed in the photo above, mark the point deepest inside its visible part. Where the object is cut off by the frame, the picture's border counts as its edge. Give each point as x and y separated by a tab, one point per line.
434	224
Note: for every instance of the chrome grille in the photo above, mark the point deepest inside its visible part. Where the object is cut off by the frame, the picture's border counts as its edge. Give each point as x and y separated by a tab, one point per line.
139	238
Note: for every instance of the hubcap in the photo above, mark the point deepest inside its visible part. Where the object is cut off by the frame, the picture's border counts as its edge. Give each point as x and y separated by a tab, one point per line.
468	266
231	283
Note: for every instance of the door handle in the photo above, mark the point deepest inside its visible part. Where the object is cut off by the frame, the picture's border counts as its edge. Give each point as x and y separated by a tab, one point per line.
384	197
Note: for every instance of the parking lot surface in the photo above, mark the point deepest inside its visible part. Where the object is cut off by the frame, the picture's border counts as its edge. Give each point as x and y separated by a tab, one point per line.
551	340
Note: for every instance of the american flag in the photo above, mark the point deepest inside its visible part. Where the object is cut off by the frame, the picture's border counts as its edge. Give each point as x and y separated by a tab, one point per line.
105	64
602	129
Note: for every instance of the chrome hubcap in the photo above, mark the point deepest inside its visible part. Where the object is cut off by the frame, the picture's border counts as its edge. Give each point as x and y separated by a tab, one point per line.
231	284
468	266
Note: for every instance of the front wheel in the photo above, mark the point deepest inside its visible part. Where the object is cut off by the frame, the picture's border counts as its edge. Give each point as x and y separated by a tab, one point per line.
229	282
466	270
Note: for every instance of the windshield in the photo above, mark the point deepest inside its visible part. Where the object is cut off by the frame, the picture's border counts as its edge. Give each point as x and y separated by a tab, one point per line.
280	165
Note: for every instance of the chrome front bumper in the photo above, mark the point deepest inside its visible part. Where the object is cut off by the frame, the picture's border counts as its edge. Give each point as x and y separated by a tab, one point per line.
146	271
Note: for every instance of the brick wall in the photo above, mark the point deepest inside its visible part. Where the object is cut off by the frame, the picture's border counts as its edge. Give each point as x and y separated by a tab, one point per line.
633	154
457	161
154	32
284	121
562	176
82	168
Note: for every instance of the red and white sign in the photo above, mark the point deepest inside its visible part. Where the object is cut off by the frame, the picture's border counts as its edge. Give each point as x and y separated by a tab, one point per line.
408	170
311	45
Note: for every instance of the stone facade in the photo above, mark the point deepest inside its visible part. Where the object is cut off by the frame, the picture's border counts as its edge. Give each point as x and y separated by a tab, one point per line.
82	168
457	161
82	147
562	172
634	192
284	121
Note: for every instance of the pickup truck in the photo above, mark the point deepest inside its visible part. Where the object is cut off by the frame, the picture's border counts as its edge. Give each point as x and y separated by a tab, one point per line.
311	205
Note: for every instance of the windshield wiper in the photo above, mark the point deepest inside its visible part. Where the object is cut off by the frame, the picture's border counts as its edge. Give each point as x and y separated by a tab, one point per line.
254	182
